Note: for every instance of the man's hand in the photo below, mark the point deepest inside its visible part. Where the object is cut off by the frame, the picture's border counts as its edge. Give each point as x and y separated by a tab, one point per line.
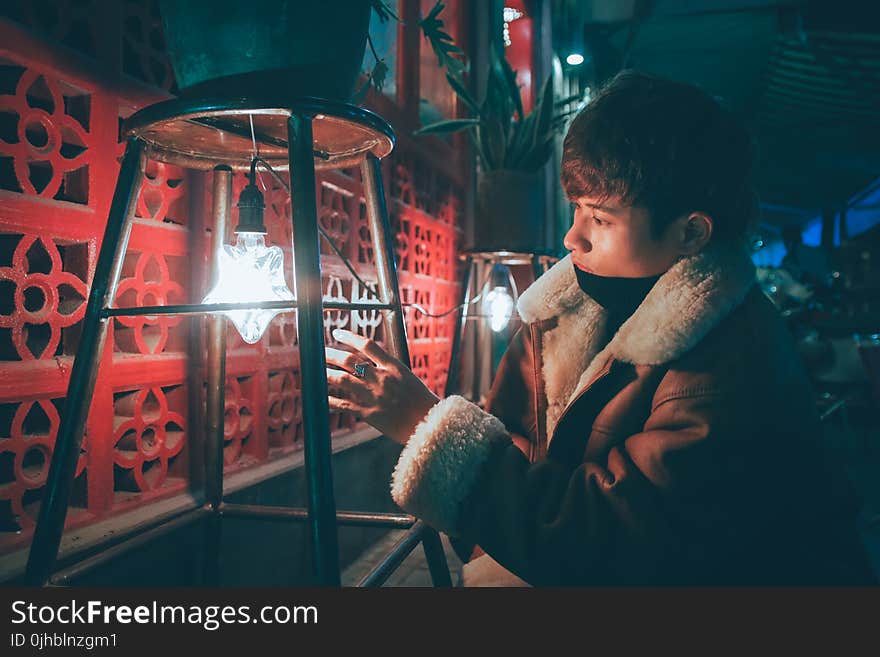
377	386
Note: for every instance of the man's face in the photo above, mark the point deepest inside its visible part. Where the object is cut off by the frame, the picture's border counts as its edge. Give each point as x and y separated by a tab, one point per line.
614	240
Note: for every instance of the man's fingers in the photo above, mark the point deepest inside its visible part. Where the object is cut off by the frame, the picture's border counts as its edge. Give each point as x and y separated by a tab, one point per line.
340	379
340	404
370	348
348	386
342	391
343	359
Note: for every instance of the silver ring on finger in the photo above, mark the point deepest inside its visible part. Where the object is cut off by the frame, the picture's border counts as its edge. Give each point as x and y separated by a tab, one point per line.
360	369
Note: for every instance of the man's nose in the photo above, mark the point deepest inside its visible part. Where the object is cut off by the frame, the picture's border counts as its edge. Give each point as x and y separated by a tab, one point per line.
573	241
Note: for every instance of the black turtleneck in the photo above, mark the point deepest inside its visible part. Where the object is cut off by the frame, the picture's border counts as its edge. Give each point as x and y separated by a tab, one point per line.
619	296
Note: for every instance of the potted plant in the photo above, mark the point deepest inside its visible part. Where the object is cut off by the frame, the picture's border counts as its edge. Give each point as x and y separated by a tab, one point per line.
512	147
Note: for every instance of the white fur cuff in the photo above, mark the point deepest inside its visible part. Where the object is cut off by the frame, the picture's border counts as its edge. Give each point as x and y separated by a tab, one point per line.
440	462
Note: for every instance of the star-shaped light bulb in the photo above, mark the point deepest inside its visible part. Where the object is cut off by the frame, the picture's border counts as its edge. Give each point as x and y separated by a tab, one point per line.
500	305
250	271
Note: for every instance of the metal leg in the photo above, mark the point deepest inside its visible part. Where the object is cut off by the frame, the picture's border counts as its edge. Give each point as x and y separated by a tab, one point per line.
395	328
53	511
391	561
482	346
313	364
457	338
436	558
383	248
537	266
216	382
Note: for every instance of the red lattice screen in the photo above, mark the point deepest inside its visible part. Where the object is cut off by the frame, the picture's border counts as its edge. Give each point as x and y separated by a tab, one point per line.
60	110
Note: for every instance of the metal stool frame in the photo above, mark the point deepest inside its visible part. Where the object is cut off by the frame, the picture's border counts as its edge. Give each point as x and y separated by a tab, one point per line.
205	134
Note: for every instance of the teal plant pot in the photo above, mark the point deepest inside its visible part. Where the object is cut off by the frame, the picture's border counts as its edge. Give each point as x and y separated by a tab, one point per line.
266	48
509	212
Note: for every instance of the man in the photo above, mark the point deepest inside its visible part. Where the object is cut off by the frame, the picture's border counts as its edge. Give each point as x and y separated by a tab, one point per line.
650	423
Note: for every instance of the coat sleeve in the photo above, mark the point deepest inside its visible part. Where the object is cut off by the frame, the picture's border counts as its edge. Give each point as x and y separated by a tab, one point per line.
551	523
512	398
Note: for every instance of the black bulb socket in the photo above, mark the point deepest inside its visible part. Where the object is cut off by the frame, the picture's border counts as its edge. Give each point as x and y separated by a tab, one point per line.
250	210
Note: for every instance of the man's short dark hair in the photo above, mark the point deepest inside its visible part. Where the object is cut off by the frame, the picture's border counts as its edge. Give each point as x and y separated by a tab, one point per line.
666	146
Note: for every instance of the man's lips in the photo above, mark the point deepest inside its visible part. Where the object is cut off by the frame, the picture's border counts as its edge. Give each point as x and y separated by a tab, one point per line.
582	268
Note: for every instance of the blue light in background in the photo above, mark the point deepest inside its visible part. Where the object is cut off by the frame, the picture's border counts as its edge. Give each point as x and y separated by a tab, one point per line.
771	254
862	214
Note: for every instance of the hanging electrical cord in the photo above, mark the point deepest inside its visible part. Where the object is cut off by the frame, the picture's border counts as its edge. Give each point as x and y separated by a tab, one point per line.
350	267
256	151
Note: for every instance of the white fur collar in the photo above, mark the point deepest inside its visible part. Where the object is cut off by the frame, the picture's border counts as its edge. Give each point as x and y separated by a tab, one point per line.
690	299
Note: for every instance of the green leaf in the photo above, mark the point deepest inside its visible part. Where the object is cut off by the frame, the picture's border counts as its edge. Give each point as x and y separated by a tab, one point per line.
384	11
499	103
478	147
513	145
436	9
509	76
521	142
483	136
543	110
452	125
375	79
496	141
459	88
442	44
380	70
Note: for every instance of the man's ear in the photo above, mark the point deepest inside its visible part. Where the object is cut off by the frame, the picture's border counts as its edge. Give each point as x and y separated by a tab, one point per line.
695	232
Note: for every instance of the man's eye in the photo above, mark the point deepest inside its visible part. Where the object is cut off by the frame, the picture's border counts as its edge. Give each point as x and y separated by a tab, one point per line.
598	221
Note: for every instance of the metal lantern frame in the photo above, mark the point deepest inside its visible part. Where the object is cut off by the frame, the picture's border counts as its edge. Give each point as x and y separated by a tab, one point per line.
476	263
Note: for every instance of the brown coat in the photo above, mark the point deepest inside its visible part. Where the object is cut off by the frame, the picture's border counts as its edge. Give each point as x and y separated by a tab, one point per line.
682	451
